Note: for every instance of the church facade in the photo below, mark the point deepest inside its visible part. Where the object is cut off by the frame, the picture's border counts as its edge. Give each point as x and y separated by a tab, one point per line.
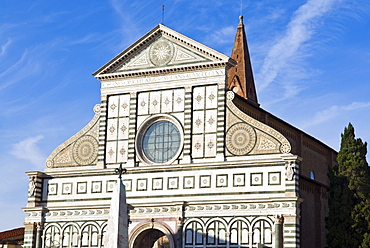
206	166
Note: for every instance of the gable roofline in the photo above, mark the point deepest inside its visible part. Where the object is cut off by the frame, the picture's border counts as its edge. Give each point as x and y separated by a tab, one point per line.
162	29
240	101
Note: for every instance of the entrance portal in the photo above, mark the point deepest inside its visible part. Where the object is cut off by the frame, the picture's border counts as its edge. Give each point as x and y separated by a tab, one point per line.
152	238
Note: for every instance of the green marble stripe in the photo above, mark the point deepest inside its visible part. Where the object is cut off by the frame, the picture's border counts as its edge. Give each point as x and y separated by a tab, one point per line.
291	225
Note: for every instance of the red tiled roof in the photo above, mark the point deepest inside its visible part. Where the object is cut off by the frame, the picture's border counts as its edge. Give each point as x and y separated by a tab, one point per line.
12	233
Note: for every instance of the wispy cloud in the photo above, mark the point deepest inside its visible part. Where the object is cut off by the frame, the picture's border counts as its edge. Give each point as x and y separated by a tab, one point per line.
28	149
333	112
221	36
4	47
283	57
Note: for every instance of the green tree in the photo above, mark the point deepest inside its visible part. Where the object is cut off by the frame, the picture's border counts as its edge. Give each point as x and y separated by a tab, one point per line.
348	222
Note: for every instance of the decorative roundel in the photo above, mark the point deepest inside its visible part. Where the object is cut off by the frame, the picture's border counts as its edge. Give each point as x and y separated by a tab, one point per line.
161	52
230	95
159	140
240	139
285	148
85	150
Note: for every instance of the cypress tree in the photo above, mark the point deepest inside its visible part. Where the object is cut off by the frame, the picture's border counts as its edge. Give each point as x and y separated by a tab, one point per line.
348	222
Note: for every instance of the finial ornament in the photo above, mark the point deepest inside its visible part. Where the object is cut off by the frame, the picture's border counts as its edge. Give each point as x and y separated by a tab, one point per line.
120	171
241	19
163	13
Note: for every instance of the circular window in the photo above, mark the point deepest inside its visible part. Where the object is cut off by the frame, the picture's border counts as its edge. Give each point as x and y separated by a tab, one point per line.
159	140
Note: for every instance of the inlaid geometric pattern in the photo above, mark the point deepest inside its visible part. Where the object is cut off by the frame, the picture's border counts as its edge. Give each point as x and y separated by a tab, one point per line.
85	150
165	101
81	187
239	180
142	184
221	180
67	188
96	187
256	179
205	181
118	110
274	178
204	121
240	139
189	182
110	185
128	184
173	183
157	184
53	189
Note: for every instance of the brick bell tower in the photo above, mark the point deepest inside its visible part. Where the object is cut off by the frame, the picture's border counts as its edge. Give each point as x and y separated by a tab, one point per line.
240	77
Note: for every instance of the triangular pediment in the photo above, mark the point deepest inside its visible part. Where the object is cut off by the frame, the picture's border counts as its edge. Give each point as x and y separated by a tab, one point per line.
162	52
161	48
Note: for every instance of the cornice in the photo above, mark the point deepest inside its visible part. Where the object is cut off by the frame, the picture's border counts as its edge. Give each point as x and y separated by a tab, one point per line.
165	71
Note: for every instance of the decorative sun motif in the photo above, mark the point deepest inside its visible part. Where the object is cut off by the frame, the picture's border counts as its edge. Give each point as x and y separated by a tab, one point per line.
161	52
198	122
111	152
211	121
197	146
122	151
123	128
112	129
210	145
113	107
124	105
199	98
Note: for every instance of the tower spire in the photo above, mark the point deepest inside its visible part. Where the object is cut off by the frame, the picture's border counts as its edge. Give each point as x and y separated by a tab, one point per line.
240	77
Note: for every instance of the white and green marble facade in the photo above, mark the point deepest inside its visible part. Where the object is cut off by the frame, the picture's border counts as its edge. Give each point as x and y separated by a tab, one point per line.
233	183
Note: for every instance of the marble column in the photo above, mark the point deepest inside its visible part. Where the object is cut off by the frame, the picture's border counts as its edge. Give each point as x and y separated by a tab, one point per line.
39	230
279	220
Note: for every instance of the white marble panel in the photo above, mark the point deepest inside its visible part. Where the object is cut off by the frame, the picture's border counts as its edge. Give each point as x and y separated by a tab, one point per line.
198	122
211	121
211	96
111	152
157	183
221	181
210	145
140	120
197	146
143	104
113	105
180	117
155	102
124	105
173	183
178	100
123	128
198	97
112	129
239	180
142	184
122	151
167	101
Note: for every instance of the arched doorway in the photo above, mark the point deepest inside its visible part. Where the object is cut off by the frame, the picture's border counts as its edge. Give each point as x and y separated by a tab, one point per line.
152	238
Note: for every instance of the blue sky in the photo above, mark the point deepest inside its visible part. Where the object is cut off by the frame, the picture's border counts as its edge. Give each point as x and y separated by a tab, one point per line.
311	62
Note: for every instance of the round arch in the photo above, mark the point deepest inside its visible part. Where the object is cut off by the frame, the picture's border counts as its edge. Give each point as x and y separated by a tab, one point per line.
150	228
